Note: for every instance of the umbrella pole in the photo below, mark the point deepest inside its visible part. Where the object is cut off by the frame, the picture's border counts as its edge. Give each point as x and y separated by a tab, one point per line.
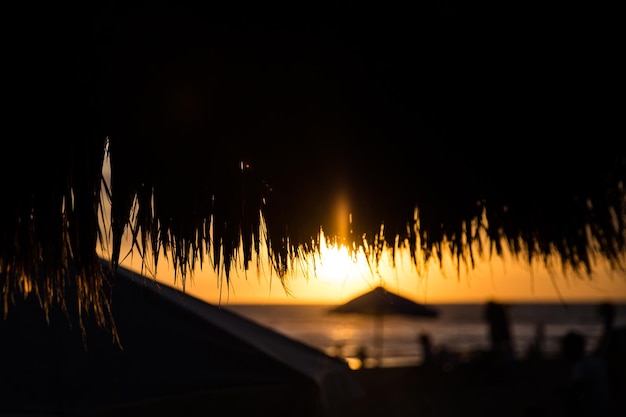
378	338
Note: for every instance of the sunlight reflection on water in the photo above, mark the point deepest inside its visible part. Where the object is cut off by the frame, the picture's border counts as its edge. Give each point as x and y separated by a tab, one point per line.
460	329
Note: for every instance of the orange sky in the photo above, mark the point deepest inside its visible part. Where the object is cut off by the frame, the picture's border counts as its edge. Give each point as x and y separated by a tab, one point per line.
338	279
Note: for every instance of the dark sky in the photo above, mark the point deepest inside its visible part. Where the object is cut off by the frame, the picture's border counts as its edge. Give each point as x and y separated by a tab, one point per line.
393	70
437	87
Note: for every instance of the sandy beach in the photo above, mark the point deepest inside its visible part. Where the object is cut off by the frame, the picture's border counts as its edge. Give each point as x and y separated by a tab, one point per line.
520	388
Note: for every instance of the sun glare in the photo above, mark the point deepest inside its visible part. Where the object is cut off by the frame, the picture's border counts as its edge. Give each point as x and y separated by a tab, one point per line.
338	266
335	274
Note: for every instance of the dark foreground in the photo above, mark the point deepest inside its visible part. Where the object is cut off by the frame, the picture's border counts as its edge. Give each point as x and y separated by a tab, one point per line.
522	388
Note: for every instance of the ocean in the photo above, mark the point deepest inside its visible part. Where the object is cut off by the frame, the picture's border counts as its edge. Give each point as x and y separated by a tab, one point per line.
459	329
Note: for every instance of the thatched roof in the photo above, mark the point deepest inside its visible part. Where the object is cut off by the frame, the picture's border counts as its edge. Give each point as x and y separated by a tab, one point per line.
437	120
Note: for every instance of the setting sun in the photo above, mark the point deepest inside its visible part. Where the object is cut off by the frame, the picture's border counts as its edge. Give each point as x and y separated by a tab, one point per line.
335	265
335	275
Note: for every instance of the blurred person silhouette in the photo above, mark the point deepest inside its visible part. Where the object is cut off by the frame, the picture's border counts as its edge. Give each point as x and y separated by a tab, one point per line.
427	349
606	312
500	339
587	394
362	356
611	348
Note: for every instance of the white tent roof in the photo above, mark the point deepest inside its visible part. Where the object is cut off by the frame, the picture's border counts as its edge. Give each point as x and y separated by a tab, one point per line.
177	353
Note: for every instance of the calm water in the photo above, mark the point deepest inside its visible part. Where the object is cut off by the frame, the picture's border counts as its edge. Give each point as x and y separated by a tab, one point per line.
460	328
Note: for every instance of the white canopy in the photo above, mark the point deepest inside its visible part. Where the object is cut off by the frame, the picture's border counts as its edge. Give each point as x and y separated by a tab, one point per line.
177	353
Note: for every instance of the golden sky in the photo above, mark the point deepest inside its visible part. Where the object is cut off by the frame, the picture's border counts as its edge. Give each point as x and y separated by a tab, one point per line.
338	278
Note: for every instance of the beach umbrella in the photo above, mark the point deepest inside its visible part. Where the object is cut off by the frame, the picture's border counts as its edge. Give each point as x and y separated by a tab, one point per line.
441	126
379	303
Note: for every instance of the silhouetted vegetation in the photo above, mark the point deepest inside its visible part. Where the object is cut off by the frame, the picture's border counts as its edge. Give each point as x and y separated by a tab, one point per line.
443	122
